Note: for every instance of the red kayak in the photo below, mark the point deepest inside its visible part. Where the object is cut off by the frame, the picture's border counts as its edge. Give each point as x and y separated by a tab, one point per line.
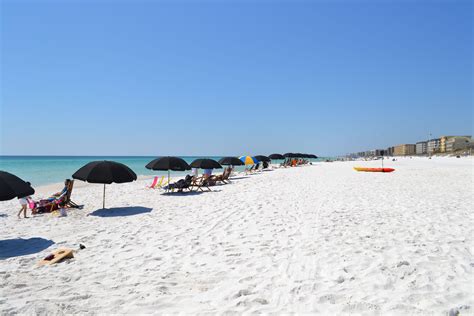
374	169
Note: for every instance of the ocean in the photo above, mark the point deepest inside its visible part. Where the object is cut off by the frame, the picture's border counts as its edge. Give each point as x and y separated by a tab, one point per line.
42	170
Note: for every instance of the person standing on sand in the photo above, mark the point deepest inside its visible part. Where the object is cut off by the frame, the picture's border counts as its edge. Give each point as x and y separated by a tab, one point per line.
24	204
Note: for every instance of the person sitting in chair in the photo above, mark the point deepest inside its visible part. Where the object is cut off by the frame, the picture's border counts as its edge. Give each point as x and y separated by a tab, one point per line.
63	191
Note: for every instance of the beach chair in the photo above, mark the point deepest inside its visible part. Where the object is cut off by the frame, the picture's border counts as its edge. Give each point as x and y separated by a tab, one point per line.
154	183
157	184
200	183
163	182
183	184
249	170
67	200
222	177
52	204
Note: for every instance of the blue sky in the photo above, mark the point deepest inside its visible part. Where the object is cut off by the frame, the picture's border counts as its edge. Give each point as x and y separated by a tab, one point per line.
232	77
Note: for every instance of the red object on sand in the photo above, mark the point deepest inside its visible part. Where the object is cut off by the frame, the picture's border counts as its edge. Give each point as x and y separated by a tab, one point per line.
374	169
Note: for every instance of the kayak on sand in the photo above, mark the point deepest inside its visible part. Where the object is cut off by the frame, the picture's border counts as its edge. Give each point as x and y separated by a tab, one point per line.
374	169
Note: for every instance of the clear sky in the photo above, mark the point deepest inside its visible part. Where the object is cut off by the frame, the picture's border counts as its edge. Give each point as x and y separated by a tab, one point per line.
232	77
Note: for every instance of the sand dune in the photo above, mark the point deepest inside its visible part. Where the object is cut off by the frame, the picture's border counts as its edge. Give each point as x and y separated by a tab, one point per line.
318	239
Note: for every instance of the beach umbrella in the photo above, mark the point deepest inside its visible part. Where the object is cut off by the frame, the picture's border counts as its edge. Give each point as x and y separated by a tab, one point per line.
276	156
205	164
248	160
105	172
290	155
233	161
262	158
313	156
13	187
168	163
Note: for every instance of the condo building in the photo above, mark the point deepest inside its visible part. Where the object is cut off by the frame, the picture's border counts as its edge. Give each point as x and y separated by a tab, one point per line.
404	150
434	145
421	148
453	143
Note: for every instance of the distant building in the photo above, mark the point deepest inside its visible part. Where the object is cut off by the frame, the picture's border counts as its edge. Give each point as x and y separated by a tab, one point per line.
421	148
389	151
404	150
453	143
434	145
442	143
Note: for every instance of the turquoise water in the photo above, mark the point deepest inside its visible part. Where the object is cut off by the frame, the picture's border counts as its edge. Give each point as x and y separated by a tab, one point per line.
40	170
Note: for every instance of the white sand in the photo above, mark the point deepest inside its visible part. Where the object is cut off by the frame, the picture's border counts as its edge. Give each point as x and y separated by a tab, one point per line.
320	239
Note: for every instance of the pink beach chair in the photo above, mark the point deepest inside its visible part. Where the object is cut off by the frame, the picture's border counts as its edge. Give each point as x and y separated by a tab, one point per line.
153	184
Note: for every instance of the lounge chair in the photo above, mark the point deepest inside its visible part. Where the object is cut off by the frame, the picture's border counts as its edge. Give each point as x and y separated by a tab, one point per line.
52	203
202	182
222	177
182	184
162	183
67	197
154	183
250	169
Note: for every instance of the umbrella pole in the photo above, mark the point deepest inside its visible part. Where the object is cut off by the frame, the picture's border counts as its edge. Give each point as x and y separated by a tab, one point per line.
103	198
168	179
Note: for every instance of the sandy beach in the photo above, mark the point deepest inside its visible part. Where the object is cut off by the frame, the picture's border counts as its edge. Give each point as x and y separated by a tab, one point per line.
316	239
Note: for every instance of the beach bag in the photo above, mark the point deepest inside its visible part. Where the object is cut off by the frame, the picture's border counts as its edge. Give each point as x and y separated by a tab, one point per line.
62	212
31	203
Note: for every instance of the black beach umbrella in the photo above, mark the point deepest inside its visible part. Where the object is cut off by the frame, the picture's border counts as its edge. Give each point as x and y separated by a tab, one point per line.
233	161
262	158
205	164
168	163
289	155
276	156
313	156
13	187
105	172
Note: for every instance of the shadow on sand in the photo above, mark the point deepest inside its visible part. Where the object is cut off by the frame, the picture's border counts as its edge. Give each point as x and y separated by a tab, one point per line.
121	211
10	248
3	215
184	193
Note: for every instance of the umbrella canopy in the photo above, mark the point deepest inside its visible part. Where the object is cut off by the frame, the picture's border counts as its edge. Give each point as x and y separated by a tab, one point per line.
276	156
248	160
234	161
290	155
313	156
105	172
205	164
168	163
262	158
13	187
